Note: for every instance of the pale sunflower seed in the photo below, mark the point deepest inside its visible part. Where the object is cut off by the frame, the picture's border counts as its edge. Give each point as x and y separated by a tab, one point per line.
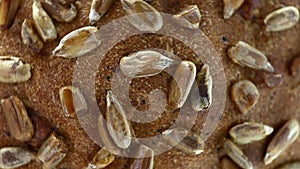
43	22
282	19
8	10
201	93
230	6
52	151
244	95
30	37
142	16
191	143
101	160
246	55
145	158
144	63
249	132
58	11
181	84
72	100
290	165
14	157
19	124
98	9
77	43
190	16
285	137
13	70
236	154
227	163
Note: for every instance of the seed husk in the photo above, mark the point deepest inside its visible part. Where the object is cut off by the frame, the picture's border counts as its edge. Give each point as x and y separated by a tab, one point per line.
117	124
77	43
30	38
246	55
144	63
285	137
58	11
8	10
203	85
244	95
98	9
101	160
142	16
230	6
236	154
190	16
72	101
145	158
191	142
65	2
13	70
52	151
282	19
19	124
249	132
227	163
181	84
14	157
43	22
290	165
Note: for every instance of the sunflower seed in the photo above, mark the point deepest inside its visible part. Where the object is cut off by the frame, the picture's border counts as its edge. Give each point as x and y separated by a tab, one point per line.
59	12
181	84
190	16
65	2
14	157
246	55
290	165
117	124
142	16
19	124
43	22
237	155
77	43
295	68
52	152
184	140
30	38
145	158
201	94
8	10
244	95
101	160
72	100
144	63
249	132
98	9
230	6
285	137
12	70
282	19
226	163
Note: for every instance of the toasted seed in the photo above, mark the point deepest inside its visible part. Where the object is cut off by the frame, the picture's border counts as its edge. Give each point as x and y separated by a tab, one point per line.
244	95
142	15
101	160
8	10
295	68
144	63
190	16
98	9
203	99
58	11
65	2
117	124
227	163
285	137
30	38
249	132
184	140
52	151
181	84
72	100
19	124
290	165
237	155
246	55
282	19
14	157
145	158
43	22
77	43
230	6
13	70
